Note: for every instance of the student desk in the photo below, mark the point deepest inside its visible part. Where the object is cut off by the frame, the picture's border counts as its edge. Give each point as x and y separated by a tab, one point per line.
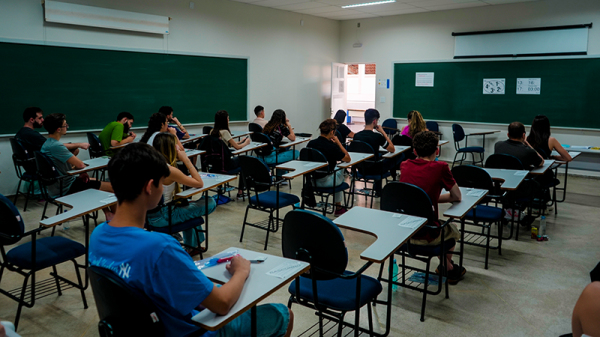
192	138
355	158
241	134
511	179
299	140
193	153
92	165
299	168
459	209
566	164
483	133
137	139
542	169
443	142
258	286
250	147
82	204
399	149
390	237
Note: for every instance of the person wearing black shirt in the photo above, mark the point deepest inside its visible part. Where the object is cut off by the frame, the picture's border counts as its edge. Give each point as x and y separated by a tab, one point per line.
377	139
31	139
345	132
516	145
333	150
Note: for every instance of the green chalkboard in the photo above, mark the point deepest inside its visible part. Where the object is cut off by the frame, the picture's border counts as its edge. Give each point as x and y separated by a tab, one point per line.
92	86
570	92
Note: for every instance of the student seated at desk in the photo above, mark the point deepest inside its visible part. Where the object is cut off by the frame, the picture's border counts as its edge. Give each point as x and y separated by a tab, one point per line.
433	176
221	130
64	160
416	124
539	138
165	143
333	150
377	139
155	264
277	128
117	133
33	140
340	117
516	145
174	123
259	111
159	123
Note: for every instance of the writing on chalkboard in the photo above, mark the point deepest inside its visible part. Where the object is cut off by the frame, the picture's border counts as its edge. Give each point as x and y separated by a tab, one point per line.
529	86
494	86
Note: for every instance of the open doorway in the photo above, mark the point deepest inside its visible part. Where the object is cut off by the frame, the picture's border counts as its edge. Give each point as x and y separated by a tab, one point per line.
353	90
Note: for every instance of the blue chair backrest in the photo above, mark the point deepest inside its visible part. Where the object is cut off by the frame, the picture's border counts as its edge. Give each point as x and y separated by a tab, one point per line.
407	199
255	173
11	223
253	127
473	177
503	161
260	137
362	147
432	126
310	154
96	149
206	129
46	169
457	132
311	237
390	123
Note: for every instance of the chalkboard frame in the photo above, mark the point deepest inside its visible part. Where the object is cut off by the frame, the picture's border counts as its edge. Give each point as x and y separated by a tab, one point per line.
141	120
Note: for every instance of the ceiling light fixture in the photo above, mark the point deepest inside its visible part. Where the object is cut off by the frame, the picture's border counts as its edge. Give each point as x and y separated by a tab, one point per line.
370	3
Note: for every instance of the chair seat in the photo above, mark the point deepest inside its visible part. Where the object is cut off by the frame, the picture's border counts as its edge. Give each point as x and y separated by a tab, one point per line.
180	227
269	199
476	149
373	176
338	294
552	183
30	176
49	252
486	213
342	187
234	171
427	250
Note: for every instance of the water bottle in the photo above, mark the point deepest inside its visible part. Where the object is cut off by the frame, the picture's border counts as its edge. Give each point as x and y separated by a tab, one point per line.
395	277
66	225
542	230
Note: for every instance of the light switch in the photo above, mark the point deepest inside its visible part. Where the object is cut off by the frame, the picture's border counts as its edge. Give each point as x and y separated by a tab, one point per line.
382	99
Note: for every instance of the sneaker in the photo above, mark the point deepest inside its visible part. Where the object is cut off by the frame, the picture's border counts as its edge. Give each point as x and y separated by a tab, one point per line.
177	237
456	274
285	182
340	211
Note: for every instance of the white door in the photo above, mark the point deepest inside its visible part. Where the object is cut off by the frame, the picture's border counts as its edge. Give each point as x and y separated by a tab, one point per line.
338	87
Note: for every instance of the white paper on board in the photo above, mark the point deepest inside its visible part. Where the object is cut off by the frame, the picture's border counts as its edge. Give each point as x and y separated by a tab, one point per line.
529	86
494	86
424	79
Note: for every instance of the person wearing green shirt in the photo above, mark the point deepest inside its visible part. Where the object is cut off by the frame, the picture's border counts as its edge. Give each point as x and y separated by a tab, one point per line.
117	133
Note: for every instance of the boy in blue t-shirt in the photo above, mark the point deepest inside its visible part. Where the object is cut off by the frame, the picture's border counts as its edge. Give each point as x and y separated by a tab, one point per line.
156	264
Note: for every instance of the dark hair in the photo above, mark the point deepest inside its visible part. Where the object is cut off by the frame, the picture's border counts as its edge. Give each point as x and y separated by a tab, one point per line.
540	132
340	116
131	169
371	115
277	119
124	114
53	122
425	143
30	113
258	109
327	126
221	123
516	130
154	125
166	110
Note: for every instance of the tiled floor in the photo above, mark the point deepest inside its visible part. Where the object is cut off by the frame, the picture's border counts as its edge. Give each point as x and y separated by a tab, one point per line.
529	290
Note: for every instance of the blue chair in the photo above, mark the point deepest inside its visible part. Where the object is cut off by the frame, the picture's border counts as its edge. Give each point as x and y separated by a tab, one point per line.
390	127
328	287
48	175
483	215
96	148
459	134
30	257
24	162
308	154
217	159
409	199
257	180
434	127
372	171
253	127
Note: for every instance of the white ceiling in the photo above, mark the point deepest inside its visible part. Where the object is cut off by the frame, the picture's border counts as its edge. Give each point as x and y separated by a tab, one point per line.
331	9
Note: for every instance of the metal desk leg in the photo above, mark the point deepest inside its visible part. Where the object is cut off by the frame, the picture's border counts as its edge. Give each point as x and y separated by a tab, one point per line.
253	321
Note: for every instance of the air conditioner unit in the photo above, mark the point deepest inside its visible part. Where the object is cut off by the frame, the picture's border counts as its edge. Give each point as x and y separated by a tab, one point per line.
73	14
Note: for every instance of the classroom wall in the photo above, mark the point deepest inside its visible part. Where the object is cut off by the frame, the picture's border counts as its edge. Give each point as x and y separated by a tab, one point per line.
289	64
427	36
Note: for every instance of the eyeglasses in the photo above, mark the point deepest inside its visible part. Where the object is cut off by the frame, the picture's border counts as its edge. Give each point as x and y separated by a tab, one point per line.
66	126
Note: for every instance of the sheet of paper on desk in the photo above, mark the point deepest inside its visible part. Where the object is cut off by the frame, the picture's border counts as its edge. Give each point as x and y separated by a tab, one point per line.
109	200
312	164
207	175
521	173
285	269
475	193
409	222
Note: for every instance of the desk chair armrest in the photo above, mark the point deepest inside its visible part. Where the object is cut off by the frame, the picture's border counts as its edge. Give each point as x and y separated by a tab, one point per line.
32	232
276	182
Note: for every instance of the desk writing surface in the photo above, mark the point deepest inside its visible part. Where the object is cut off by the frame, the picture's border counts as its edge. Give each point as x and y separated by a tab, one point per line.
460	208
381	224
239	134
82	203
193	138
355	158
443	142
511	179
210	180
399	150
542	169
572	153
249	147
299	167
481	133
92	164
298	140
258	286
192	153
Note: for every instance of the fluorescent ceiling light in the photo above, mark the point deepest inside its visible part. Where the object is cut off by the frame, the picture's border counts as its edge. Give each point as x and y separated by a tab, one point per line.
369	3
